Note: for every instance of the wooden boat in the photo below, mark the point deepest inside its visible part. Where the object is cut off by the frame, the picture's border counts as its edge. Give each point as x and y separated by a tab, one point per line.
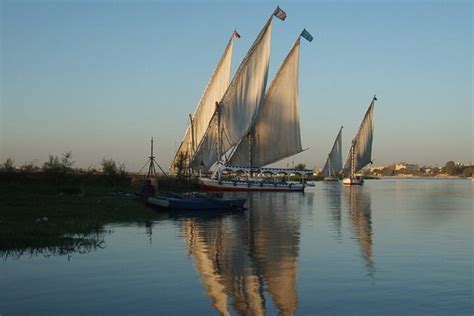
195	202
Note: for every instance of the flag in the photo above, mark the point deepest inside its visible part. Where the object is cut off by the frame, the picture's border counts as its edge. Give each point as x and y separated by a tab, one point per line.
236	35
306	35
375	98
279	13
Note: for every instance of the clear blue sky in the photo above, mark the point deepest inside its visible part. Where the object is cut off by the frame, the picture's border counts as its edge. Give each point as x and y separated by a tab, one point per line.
100	78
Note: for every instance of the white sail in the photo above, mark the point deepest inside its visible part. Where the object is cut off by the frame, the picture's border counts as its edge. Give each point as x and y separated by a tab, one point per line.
215	89
361	149
334	162
275	134
239	103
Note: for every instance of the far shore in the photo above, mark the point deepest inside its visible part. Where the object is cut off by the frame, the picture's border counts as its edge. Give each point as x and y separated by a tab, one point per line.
423	177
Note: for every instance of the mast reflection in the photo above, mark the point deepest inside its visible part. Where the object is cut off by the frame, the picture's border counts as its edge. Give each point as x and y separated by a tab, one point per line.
359	205
243	257
333	196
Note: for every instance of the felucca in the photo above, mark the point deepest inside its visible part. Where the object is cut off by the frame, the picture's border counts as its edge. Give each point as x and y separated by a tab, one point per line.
251	128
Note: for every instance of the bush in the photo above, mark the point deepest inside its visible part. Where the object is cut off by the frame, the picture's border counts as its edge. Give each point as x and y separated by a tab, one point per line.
110	168
54	165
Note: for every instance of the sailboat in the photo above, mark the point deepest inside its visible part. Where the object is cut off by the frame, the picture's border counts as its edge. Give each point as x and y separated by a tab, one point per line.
333	165
360	153
198	123
253	129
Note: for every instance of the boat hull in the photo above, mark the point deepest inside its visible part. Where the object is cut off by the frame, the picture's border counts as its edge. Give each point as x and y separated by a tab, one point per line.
245	186
331	179
196	203
353	181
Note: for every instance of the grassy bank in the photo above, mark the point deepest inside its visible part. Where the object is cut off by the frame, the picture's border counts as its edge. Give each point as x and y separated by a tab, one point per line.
43	213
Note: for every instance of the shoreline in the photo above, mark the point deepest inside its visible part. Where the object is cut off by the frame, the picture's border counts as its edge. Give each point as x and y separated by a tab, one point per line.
427	177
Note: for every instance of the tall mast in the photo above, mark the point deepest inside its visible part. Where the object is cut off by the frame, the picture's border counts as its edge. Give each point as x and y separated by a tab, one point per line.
353	157
330	171
249	137
219	140
193	144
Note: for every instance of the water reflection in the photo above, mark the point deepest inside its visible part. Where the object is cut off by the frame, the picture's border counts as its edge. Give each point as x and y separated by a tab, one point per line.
242	258
333	191
359	205
66	246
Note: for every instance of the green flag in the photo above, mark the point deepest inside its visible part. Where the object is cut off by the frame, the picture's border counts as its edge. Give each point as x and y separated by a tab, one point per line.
306	35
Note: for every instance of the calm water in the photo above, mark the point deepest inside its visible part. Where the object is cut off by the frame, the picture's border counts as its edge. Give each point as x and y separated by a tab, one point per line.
389	247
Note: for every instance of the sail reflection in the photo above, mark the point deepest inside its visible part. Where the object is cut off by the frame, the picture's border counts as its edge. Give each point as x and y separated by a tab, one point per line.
243	258
359	205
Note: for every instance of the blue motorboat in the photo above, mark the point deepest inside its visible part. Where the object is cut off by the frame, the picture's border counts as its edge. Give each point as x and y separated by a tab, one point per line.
195	202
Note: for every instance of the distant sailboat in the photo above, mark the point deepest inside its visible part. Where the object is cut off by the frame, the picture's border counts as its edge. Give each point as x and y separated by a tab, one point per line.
360	153
333	165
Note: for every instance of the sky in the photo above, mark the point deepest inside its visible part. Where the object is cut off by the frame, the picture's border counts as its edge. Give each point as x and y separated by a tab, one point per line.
99	78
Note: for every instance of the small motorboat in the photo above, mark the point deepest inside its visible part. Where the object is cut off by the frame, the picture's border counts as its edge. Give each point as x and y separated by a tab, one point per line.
195	202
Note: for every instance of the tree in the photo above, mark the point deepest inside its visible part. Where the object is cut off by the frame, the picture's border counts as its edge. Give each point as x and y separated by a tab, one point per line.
388	171
9	165
54	165
300	166
467	172
57	168
450	168
180	165
111	168
29	167
66	161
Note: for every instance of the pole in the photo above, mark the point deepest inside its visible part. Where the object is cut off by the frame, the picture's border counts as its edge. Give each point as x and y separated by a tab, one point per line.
249	139
219	154
353	158
151	167
191	122
330	171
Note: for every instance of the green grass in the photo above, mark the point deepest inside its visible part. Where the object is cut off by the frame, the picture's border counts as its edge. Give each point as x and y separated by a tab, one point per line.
76	208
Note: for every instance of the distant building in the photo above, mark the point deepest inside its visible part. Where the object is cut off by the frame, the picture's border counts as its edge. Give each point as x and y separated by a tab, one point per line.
376	168
407	167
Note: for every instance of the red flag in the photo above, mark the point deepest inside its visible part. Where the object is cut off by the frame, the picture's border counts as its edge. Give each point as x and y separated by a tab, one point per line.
236	35
279	13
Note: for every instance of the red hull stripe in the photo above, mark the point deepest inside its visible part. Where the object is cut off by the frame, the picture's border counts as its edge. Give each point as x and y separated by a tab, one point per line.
247	189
